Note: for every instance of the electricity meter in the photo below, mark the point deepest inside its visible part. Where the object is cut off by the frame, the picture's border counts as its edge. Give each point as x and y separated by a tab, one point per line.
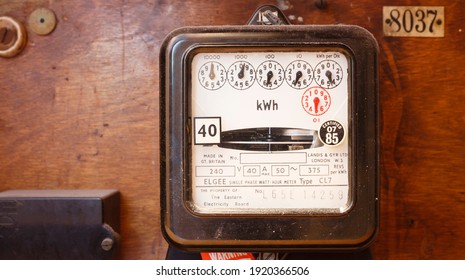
269	136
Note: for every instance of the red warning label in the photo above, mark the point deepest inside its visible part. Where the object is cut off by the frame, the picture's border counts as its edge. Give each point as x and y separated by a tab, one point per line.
226	256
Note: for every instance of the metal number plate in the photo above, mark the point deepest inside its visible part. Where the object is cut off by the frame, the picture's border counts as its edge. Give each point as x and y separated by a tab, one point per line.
413	21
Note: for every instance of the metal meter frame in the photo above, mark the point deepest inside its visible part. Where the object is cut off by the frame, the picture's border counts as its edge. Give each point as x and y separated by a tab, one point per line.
187	230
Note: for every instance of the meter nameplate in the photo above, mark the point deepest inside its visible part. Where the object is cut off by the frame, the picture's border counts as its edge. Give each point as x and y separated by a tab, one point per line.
413	21
270	131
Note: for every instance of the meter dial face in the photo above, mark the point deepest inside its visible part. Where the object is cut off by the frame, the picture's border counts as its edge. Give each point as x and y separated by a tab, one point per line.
241	75
316	101
269	147
328	74
270	74
212	75
299	74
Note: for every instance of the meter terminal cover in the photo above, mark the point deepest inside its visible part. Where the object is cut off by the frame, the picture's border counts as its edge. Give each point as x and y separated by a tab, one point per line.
269	138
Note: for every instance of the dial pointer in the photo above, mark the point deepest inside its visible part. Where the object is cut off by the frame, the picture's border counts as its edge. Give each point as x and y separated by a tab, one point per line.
329	75
298	75
212	72
269	75
316	102
240	75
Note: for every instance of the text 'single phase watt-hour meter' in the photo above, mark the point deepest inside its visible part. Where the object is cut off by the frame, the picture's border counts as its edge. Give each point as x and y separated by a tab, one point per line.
269	136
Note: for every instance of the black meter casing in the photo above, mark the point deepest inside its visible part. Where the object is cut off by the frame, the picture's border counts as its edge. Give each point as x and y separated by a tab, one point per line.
184	227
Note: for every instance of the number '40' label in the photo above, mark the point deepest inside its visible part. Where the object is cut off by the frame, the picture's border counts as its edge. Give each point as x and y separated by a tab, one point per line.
207	130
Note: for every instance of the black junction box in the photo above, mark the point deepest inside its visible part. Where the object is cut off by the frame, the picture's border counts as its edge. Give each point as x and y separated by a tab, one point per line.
59	224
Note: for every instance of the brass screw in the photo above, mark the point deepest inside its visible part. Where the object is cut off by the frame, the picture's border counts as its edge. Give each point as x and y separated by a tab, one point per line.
107	244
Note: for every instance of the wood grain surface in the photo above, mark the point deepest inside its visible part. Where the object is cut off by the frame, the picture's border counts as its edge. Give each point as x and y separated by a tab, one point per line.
79	109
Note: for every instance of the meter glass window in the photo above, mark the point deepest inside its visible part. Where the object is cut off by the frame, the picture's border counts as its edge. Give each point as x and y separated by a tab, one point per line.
269	131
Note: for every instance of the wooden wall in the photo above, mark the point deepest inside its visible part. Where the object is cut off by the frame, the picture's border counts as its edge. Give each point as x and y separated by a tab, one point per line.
79	109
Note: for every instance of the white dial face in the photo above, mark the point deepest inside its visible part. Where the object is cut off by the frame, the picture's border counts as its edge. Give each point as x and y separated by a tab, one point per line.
212	75
260	145
299	74
241	75
270	74
328	74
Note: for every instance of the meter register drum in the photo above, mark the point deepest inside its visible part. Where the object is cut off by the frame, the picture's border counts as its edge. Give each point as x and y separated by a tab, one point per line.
270	139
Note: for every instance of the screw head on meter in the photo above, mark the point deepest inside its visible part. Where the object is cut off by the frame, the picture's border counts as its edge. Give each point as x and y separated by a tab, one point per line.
256	162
